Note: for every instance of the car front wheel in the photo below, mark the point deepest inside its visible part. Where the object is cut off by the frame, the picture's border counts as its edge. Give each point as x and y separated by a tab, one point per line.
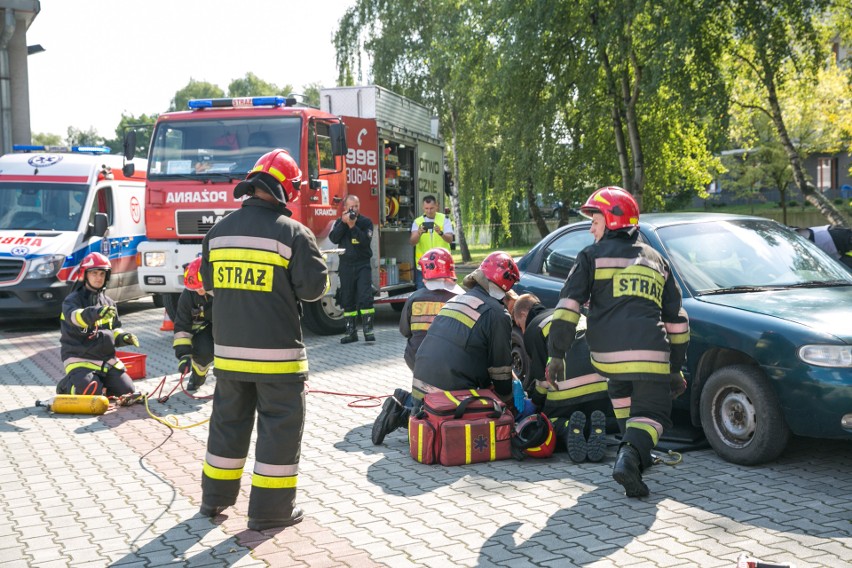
741	416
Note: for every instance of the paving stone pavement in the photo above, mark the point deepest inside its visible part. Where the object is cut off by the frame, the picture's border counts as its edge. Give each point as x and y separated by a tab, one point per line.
123	489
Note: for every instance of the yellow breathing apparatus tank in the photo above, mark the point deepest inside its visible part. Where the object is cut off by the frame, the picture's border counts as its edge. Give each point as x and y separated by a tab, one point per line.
76	404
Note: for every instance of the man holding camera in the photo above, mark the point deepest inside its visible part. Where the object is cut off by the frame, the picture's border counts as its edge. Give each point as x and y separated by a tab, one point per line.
353	233
430	230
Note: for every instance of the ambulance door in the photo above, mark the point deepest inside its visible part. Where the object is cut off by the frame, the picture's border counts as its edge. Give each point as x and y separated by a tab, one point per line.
126	232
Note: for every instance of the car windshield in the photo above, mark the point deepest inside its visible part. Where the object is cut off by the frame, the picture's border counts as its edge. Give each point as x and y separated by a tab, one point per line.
228	148
740	256
41	206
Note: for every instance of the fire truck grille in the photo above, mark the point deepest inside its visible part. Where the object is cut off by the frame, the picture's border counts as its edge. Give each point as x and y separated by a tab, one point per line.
10	269
196	222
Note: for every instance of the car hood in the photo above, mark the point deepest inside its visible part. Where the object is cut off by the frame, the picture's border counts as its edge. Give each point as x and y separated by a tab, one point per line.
827	310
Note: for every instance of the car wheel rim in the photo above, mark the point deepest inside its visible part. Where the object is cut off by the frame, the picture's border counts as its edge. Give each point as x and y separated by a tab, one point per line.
734	417
517	363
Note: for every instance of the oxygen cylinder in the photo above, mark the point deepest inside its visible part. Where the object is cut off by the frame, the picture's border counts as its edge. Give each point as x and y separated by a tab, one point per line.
76	404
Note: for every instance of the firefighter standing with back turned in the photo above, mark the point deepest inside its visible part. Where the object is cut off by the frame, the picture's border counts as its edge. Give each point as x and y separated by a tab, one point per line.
260	264
354	232
193	342
637	330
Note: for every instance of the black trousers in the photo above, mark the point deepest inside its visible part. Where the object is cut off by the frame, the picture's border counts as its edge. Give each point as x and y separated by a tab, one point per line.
202	346
280	409
116	381
650	412
356	286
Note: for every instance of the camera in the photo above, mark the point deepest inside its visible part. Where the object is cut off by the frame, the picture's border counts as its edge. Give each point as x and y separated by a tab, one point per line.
428	225
352	214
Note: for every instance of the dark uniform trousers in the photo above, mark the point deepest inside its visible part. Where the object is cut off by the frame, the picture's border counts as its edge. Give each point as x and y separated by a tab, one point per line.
356	288
202	350
280	423
113	378
648	404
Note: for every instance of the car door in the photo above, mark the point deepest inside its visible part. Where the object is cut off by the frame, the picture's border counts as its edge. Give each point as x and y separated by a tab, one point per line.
547	272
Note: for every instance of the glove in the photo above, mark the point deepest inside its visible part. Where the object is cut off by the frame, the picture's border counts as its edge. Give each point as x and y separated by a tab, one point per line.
185	365
107	312
555	371
130	339
677	384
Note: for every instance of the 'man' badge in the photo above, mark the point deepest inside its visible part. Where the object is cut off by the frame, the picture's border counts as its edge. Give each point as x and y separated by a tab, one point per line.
242	276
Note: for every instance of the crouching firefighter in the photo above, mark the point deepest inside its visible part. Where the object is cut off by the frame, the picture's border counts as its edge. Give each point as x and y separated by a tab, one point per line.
637	330
90	332
260	265
439	281
193	343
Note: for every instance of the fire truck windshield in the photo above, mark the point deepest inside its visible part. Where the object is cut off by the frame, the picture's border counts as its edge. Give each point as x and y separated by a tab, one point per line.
227	147
41	206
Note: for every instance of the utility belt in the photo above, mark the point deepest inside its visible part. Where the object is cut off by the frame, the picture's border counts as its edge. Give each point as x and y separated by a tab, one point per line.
461	427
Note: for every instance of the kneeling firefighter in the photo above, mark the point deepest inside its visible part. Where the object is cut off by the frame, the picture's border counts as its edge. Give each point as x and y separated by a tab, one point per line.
193	342
90	332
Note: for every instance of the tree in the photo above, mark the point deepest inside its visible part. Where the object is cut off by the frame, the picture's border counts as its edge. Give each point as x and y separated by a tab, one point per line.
252	86
777	46
143	124
194	90
90	137
311	94
47	139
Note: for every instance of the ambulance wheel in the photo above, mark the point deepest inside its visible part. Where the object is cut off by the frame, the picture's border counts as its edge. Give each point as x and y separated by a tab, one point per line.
520	360
170	302
324	317
741	416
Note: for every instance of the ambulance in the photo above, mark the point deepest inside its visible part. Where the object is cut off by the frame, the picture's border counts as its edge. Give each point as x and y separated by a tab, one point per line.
58	204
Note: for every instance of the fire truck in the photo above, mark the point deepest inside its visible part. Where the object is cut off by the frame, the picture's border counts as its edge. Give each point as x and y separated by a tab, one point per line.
382	149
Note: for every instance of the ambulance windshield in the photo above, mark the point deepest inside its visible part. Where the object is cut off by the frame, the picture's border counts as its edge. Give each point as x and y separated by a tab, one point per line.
227	147
41	206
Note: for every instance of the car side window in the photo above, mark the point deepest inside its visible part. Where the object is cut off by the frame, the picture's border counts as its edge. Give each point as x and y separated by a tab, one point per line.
559	256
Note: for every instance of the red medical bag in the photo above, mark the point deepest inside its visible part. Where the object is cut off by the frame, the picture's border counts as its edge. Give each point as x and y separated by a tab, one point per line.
461	427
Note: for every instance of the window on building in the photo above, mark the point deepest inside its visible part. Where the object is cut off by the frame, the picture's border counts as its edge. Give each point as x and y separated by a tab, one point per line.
826	173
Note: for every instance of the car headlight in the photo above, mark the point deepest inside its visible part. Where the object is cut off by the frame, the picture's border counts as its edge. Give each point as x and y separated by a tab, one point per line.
45	266
826	355
155	259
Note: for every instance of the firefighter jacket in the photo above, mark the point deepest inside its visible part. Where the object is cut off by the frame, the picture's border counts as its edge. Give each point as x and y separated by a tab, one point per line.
468	345
417	315
86	340
355	241
260	265
581	383
637	328
194	313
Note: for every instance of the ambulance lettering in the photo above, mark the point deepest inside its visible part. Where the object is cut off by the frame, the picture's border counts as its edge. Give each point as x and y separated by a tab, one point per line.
243	276
30	241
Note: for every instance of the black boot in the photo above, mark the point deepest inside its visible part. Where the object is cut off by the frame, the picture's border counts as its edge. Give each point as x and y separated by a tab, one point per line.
628	472
368	327
195	381
392	416
351	334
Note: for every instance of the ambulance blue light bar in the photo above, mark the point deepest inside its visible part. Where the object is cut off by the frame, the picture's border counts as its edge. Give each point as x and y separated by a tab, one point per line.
61	149
241	102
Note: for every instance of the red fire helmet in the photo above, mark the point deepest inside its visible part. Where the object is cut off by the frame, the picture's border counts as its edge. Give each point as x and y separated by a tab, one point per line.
192	276
437	263
618	207
499	268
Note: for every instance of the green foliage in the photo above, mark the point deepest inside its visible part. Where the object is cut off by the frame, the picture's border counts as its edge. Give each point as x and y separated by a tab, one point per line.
194	90
90	137
47	139
252	86
143	124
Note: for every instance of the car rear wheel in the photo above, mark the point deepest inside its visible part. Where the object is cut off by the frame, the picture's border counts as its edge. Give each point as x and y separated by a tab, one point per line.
741	416
520	360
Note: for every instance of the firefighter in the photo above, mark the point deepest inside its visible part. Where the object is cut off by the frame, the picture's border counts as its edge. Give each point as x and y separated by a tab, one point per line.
430	230
469	344
90	332
439	275
260	265
354	232
637	329
836	241
568	403
193	343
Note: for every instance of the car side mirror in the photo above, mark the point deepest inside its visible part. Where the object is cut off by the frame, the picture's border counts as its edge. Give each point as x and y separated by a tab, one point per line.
337	133
100	225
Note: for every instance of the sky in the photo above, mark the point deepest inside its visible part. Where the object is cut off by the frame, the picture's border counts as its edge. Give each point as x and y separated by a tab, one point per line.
105	57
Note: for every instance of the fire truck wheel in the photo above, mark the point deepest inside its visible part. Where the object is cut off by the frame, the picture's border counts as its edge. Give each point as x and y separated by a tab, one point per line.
170	302
324	317
158	300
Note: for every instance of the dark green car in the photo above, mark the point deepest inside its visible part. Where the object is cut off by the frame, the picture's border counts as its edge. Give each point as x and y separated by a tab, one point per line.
771	326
